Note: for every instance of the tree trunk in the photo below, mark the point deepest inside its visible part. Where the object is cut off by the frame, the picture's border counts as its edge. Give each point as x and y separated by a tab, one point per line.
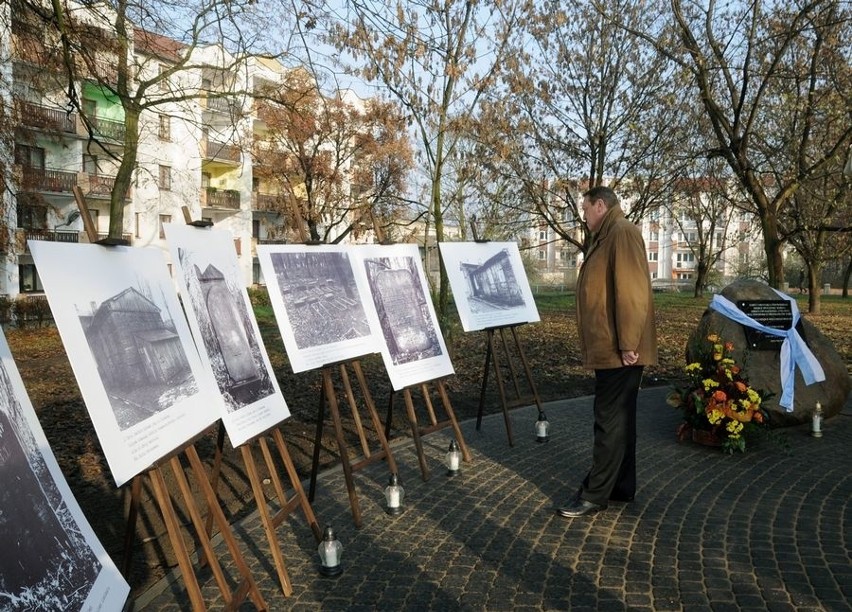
814	277
124	176
848	273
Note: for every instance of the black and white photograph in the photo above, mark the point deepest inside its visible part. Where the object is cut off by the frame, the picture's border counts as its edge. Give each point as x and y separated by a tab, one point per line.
52	559
130	348
223	322
414	349
489	284
319	303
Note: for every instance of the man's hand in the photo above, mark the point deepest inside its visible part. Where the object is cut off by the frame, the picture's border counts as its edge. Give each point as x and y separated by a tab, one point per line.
629	358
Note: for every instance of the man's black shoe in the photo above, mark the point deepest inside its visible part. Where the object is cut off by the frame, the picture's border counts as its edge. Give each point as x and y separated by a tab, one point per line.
579	507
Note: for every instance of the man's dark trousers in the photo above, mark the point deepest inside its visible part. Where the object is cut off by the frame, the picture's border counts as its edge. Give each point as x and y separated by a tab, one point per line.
613	473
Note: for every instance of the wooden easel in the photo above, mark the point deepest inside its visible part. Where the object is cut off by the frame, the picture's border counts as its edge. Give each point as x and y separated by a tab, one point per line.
491	358
247	587
287	505
434	424
328	396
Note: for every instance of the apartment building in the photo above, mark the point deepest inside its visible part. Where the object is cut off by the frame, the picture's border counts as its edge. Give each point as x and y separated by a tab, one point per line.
195	144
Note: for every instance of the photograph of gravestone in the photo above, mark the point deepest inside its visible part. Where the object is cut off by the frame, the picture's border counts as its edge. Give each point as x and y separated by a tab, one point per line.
319	303
129	345
489	284
222	319
51	558
414	349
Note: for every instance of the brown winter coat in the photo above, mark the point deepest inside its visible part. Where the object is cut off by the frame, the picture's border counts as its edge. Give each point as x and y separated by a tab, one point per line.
615	305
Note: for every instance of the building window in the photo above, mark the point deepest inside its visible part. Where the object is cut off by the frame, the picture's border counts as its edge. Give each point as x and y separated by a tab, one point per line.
31	157
653	256
165	132
29	280
654	237
90	164
138	225
255	229
684	276
686	257
31	215
163	220
165	178
541	255
542	235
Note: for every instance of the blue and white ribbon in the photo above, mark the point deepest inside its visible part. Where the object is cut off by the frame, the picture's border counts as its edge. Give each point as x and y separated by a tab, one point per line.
794	350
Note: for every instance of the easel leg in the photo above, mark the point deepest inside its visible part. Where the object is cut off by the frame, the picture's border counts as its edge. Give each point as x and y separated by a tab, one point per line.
512	370
527	369
307	510
501	390
176	538
490	334
389	419
415	433
374	416
215	472
312	489
263	509
341	446
445	398
248	586
135	492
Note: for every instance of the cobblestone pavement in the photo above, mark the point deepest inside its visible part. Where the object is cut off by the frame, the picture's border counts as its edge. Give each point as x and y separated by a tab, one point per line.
767	530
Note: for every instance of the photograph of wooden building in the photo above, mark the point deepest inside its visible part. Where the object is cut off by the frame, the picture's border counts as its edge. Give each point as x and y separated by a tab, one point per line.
140	358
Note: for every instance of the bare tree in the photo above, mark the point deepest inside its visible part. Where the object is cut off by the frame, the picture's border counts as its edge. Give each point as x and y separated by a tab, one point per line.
437	60
333	159
736	54
584	104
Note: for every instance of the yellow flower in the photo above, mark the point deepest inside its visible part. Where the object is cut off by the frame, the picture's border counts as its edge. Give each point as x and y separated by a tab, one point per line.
692	367
734	428
715	416
709	383
713	338
754	396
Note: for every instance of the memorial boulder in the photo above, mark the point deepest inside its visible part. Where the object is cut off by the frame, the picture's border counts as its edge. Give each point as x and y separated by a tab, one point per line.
760	354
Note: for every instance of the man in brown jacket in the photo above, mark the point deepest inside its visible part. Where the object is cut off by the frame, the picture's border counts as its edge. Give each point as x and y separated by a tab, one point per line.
615	321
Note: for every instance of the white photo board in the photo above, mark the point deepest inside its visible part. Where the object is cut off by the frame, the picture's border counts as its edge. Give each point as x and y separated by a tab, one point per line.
320	303
227	336
413	349
51	559
489	284
130	349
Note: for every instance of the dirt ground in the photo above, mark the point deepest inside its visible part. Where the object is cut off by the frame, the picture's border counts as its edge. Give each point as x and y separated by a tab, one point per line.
550	348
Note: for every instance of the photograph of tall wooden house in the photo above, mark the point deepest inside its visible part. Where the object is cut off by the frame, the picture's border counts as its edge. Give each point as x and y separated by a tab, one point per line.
139	355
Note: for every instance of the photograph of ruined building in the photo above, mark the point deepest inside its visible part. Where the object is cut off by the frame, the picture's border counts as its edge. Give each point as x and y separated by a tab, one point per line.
492	285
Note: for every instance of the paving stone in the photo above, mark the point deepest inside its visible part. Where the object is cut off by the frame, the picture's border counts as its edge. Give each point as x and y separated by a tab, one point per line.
708	531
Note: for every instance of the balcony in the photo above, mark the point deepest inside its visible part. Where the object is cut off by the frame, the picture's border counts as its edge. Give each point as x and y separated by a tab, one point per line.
266	202
108	129
220	151
221	105
38	179
227	198
26	234
98	185
45	118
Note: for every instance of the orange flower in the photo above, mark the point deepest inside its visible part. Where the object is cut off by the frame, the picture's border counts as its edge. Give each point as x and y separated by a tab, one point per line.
719	395
729	346
758	417
741	386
